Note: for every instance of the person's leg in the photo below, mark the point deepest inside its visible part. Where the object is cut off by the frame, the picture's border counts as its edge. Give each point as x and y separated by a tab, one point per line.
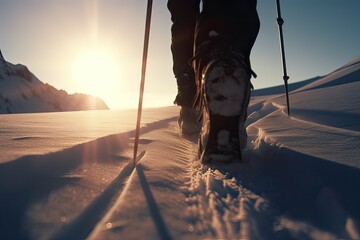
225	34
183	16
234	22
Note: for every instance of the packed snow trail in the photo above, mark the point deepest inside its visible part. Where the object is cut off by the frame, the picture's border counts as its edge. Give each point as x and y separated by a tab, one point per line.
273	194
152	202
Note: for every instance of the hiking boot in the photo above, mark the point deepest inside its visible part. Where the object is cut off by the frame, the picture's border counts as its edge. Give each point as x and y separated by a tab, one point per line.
225	95
189	117
188	120
186	90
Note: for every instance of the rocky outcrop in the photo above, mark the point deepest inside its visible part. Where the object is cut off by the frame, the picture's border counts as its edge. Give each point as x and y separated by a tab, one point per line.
22	92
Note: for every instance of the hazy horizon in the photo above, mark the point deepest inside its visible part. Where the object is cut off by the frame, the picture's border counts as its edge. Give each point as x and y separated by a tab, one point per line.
60	42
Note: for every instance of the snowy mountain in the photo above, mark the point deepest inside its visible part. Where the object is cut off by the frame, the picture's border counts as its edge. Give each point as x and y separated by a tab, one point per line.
299	178
22	92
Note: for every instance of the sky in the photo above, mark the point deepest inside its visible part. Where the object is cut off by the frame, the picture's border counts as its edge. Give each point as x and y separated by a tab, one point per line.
95	46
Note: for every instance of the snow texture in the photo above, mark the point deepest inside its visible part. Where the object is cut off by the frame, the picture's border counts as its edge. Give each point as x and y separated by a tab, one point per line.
299	179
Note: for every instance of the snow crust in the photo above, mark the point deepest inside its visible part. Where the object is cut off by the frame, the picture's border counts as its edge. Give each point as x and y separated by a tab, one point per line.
300	177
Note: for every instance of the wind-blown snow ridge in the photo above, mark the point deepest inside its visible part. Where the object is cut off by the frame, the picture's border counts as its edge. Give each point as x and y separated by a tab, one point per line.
348	73
341	76
314	187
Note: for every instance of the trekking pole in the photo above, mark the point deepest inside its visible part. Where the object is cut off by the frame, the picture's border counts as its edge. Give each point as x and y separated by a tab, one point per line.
143	71
280	22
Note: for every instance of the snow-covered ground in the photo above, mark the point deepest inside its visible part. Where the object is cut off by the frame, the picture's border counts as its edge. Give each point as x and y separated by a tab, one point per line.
300	178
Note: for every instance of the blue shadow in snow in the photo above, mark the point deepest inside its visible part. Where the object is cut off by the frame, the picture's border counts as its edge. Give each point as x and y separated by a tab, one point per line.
153	207
301	187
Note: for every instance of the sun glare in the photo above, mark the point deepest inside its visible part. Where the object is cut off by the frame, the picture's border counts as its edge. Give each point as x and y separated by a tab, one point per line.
97	73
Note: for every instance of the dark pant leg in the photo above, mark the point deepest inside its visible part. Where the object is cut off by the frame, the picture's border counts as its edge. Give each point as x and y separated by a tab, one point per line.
236	21
183	16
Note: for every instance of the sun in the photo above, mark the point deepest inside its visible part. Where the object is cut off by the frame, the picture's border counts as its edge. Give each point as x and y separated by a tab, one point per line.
97	73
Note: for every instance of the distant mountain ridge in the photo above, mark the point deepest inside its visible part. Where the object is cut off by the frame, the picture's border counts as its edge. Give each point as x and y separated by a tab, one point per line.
22	92
348	73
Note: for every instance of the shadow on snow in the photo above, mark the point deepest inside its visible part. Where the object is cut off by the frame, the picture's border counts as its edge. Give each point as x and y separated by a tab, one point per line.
301	187
32	178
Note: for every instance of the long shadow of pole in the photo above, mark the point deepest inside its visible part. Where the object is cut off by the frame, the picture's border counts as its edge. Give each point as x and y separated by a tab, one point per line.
153	207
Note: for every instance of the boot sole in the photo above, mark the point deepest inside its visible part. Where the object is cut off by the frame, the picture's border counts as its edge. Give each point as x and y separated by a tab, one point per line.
226	89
